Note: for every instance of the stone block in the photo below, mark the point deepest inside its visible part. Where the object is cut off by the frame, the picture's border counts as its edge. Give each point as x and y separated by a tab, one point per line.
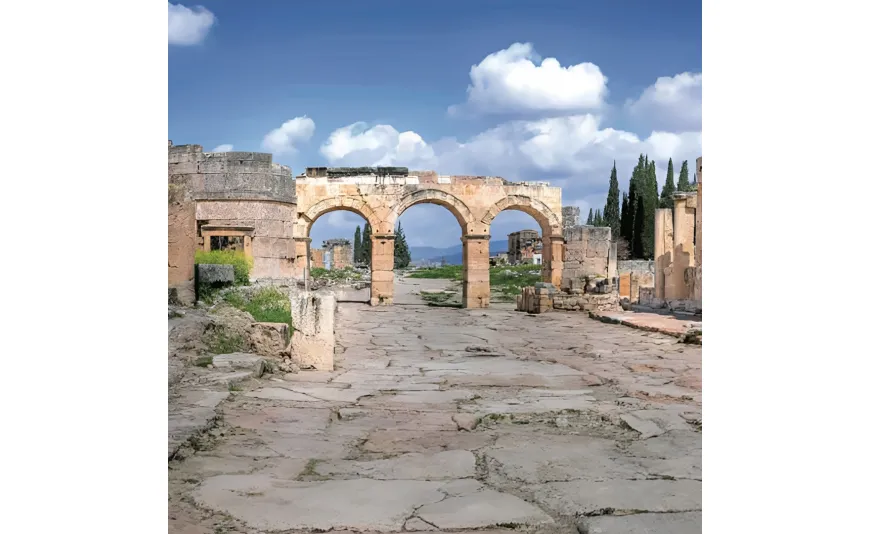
211	274
270	339
312	345
241	360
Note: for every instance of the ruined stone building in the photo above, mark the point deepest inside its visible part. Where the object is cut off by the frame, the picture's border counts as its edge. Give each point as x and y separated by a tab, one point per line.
678	253
317	259
523	245
338	253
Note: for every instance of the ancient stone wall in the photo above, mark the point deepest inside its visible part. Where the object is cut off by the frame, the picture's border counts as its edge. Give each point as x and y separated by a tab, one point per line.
183	178
317	258
588	252
571	217
636	266
338	253
245	194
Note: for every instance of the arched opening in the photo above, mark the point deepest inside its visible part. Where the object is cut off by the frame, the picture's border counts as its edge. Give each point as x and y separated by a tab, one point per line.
339	253
533	235
432	233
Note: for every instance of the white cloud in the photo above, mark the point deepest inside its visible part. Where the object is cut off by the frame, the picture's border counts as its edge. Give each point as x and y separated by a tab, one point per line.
380	145
572	152
189	26
284	138
513	80
671	103
223	148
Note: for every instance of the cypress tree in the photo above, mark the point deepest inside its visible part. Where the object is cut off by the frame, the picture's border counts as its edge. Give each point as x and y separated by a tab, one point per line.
611	208
650	203
683	182
589	220
366	256
597	221
694	179
637	231
635	191
401	253
625	220
667	200
357	245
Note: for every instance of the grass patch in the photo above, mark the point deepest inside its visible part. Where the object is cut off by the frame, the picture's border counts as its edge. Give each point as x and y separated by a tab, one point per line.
266	305
203	361
510	280
447	272
438	297
347	273
241	264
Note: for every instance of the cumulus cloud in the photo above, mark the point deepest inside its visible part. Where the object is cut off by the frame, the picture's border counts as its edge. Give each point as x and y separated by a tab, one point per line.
284	139
380	145
189	26
572	152
223	148
671	103
515	81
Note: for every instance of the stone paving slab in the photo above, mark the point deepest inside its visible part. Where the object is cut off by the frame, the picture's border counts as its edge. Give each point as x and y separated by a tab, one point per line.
679	523
652	322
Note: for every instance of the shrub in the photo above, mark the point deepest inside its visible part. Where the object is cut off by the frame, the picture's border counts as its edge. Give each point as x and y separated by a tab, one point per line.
266	305
242	265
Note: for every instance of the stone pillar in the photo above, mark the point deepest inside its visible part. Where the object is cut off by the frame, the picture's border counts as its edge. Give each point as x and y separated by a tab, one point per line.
475	271
552	254
301	255
313	343
684	249
382	269
663	247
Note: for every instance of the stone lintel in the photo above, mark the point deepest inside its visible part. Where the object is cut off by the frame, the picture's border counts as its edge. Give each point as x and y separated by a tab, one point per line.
383	236
303	239
223	227
486	237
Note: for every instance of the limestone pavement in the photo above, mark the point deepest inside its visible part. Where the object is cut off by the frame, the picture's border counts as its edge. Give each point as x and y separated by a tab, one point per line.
452	420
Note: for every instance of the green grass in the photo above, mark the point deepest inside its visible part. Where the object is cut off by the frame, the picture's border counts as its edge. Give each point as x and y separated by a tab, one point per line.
319	273
447	272
223	342
266	305
508	280
241	264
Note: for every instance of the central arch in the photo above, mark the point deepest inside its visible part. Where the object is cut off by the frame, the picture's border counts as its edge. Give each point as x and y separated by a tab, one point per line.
434	196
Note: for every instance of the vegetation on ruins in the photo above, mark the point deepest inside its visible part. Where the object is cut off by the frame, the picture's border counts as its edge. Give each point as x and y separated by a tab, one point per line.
401	252
357	246
335	275
683	182
611	207
223	341
266	305
242	265
667	197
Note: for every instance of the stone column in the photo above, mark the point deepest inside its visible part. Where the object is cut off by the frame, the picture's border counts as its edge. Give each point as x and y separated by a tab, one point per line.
698	215
663	247
301	256
475	271
552	262
382	269
684	249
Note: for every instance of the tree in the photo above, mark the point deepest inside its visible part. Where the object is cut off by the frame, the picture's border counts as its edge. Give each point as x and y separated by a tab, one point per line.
694	179
611	208
637	250
650	203
598	220
366	256
667	200
357	246
590	220
625	220
401	252
683	182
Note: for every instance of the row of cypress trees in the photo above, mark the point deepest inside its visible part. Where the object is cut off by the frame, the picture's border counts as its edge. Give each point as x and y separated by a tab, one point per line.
634	220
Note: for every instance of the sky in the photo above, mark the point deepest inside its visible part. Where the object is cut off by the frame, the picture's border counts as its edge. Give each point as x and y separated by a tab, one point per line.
540	90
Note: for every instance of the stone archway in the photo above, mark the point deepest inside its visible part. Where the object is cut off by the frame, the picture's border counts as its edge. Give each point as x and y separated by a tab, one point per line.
551	232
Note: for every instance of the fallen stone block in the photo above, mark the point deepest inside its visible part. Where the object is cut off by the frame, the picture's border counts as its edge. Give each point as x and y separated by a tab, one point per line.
212	274
270	339
241	360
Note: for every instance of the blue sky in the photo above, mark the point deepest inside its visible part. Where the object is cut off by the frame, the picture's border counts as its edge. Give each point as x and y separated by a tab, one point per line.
240	70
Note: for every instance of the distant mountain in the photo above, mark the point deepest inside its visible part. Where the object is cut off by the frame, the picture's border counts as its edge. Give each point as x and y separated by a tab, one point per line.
452	255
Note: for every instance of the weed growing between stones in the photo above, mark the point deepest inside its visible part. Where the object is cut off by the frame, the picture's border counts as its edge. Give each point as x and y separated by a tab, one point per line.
348	273
220	341
203	361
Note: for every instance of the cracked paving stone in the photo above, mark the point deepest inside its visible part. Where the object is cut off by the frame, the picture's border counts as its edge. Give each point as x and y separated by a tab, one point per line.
582	497
679	523
477	507
439	466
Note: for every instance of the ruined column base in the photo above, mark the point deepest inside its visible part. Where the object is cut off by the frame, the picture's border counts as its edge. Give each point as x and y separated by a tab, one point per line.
545	297
312	345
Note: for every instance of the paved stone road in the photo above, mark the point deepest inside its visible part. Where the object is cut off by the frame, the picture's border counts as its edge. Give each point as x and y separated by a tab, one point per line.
446	419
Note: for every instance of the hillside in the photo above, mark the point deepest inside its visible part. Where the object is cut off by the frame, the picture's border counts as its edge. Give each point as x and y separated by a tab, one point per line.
452	255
